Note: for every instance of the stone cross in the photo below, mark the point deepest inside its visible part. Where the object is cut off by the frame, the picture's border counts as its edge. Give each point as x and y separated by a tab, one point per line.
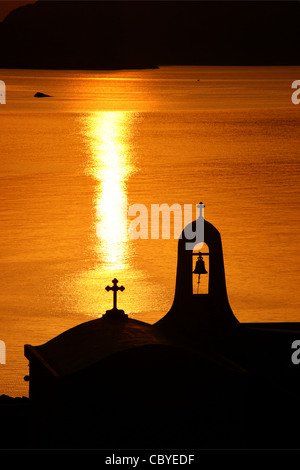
115	289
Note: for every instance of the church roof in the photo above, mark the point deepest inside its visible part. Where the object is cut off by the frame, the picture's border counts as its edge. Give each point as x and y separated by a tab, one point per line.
92	341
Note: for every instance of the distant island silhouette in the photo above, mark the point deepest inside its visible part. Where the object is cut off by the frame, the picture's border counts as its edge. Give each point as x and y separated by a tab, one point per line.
89	35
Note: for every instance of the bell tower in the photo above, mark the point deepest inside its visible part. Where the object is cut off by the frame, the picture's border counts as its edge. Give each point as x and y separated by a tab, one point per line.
210	311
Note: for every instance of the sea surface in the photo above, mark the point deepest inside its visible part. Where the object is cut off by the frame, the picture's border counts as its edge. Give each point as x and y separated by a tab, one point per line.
226	136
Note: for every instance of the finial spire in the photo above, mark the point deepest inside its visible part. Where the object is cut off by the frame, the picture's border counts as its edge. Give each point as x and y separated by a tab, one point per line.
201	207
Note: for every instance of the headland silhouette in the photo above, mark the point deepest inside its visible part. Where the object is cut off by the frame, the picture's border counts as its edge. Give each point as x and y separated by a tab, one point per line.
98	35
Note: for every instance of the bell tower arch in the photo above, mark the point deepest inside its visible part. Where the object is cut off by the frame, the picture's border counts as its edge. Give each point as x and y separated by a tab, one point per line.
200	270
189	310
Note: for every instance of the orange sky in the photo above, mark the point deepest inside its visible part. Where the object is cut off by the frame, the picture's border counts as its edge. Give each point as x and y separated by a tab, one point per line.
8	5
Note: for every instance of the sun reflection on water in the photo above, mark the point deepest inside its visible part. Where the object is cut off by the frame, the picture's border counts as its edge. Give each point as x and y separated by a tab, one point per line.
112	160
111	167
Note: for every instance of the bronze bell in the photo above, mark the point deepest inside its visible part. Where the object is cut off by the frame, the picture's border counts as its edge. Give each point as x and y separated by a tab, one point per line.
200	266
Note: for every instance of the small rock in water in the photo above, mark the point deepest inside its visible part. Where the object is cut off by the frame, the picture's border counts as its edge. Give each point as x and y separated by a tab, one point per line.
41	95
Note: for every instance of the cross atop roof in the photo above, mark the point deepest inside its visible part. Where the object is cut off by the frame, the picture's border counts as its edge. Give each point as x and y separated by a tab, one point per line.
115	289
115	312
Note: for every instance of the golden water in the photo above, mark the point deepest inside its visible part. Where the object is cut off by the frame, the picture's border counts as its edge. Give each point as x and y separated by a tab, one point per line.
229	137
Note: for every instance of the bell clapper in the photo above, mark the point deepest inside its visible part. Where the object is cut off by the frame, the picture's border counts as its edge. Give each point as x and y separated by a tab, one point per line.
198	284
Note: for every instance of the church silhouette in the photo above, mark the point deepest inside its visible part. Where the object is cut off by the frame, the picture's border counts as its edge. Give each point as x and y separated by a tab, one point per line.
197	378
